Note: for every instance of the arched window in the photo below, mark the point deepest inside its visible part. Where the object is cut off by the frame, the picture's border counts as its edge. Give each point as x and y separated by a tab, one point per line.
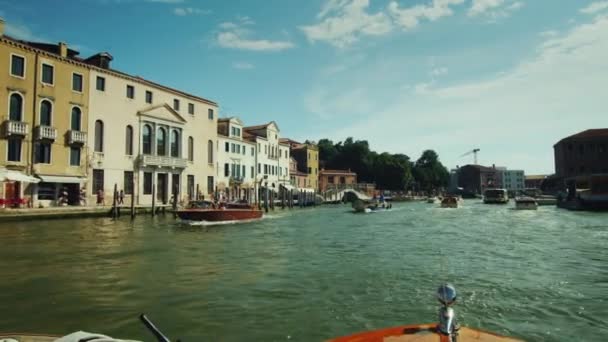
76	119
16	107
98	136
161	142
210	152
46	109
190	149
129	141
174	143
147	139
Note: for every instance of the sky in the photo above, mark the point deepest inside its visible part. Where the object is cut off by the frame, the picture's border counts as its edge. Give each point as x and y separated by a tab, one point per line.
510	77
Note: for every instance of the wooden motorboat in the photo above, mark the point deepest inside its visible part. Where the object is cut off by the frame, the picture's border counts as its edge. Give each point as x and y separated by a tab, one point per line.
495	196
451	202
446	330
526	203
223	212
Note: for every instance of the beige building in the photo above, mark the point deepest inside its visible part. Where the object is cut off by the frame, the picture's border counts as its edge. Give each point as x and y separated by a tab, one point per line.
307	157
272	156
43	132
236	160
148	138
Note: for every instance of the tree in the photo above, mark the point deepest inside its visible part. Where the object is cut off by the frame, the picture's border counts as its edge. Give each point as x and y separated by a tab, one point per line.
429	173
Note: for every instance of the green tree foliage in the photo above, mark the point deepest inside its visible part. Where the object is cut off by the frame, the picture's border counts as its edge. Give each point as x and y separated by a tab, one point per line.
387	171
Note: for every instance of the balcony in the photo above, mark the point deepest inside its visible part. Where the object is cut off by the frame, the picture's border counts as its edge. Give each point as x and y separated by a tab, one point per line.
162	161
45	133
77	137
236	180
15	128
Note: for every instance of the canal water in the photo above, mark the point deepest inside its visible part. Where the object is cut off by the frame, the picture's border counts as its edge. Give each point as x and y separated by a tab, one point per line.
308	275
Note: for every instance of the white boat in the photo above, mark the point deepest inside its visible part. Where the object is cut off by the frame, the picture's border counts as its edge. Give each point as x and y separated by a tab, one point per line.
526	203
433	200
495	196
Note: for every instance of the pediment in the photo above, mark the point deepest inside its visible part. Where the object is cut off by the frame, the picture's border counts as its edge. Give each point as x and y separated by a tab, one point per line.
162	112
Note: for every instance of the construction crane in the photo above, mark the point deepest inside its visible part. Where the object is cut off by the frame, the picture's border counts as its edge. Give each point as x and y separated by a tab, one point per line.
473	152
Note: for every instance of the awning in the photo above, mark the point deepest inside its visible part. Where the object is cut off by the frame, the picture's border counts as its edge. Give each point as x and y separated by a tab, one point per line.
62	179
16	176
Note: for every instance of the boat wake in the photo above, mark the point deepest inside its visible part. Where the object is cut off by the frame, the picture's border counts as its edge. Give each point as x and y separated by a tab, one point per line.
218	223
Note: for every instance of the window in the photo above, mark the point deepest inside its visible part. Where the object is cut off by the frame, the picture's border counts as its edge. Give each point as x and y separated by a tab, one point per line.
210	114
100	83
330	179
98	136
74	156
47	74
309	170
210	152
128	182
227	145
161	142
226	170
129	140
147	140
265	149
42	153
243	174
342	180
252	151
17	66
191	108
46	109
130	92
265	169
190	149
243	148
176	104
147	183
97	181
77	82
232	171
148	96
76	119
280	153
16	107
174	143
259	168
238	149
46	191
210	184
232	147
190	187
14	150
252	171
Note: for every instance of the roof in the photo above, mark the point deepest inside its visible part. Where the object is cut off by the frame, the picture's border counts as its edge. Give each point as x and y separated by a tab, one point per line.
337	172
480	168
72	56
590	133
536	177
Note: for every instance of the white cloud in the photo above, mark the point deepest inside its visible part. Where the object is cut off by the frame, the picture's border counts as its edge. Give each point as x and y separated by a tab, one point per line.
494	9
235	36
23	32
595	7
344	21
439	71
242	65
408	18
183	11
557	91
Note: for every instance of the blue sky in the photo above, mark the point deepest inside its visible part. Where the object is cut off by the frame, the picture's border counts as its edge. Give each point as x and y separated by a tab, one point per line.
510	77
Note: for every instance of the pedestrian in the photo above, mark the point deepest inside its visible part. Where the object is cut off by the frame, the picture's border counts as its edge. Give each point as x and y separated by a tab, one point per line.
83	196
100	199
121	197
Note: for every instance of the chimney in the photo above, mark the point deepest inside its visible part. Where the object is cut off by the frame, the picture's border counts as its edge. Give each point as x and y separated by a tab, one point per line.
101	60
63	49
1	27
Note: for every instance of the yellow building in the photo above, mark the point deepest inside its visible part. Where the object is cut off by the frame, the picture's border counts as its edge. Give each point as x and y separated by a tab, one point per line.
46	92
307	159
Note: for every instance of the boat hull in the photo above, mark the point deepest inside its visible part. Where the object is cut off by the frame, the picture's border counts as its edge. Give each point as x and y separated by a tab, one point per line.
219	215
421	333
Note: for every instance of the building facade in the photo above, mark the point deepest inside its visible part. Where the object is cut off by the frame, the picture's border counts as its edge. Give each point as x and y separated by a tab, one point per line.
298	178
513	180
272	156
582	154
477	178
534	181
44	130
148	139
307	157
236	160
331	179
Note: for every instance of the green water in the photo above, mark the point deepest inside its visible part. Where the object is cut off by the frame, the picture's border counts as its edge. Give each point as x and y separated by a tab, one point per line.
310	274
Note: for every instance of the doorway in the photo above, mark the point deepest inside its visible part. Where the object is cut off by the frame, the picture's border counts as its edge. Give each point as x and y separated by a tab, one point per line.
175	186
161	188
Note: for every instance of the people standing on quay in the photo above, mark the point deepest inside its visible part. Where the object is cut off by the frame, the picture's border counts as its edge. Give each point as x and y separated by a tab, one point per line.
121	197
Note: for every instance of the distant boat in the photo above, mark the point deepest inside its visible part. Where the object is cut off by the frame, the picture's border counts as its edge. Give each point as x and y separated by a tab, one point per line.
360	206
526	203
495	196
451	202
433	200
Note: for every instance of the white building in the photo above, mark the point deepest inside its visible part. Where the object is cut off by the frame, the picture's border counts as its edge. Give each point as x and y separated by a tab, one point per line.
513	180
157	137
272	157
236	160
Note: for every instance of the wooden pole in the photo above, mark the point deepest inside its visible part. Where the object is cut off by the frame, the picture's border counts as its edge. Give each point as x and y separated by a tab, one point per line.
283	198
198	191
153	199
132	199
114	202
175	194
266	199
272	199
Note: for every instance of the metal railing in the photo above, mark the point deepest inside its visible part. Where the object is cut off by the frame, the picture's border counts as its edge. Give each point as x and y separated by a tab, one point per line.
42	132
163	161
15	128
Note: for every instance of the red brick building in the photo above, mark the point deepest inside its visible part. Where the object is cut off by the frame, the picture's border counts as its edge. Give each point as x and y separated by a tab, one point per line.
477	178
582	154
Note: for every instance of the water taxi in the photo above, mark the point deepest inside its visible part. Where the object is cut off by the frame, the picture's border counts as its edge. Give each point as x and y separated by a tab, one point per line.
451	202
446	330
495	196
526	203
223	212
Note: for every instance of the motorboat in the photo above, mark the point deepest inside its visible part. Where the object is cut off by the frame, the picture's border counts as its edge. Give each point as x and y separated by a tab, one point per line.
360	206
526	203
433	200
447	329
223	212
495	196
451	202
